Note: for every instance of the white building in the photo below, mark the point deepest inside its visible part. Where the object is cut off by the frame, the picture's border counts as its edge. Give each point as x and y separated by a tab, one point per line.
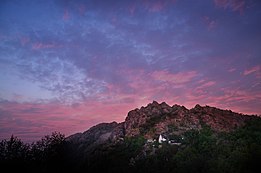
161	139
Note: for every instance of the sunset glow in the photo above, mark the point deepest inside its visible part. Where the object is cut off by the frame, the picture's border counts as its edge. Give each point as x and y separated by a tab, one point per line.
66	65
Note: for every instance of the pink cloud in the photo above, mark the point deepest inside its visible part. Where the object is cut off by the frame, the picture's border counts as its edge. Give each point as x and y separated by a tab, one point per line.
39	45
24	40
178	78
232	70
206	85
238	5
240	100
222	3
234	96
25	119
140	91
255	69
82	9
155	6
132	8
235	5
145	87
234	99
211	24
66	15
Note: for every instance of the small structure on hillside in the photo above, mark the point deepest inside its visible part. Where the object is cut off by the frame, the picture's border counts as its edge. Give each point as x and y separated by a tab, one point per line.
162	139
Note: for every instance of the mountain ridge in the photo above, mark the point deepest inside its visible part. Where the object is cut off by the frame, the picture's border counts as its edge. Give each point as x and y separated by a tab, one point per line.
160	118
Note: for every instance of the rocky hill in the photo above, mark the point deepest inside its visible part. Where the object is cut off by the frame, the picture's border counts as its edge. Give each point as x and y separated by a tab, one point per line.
156	119
163	138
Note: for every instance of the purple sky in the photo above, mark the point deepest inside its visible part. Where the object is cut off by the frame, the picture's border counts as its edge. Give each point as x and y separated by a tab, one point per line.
67	65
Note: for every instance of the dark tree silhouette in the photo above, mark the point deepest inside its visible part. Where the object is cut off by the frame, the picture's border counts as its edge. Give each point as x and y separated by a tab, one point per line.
46	154
14	153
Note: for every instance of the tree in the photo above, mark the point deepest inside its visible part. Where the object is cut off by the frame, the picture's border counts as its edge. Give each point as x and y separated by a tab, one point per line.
13	153
48	148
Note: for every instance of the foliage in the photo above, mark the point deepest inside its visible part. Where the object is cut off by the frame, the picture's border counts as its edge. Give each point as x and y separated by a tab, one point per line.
135	144
40	155
13	149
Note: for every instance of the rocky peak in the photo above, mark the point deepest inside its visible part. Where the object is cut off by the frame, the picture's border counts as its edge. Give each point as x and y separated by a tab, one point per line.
160	118
197	106
138	119
154	103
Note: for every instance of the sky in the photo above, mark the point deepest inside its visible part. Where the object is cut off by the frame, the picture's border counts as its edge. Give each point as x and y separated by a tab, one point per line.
66	65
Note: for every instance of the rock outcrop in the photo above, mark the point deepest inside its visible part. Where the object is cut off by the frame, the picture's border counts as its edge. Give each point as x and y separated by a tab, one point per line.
156	119
97	135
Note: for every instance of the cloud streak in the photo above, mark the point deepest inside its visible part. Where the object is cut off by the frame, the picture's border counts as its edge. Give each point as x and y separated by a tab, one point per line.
256	70
234	5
